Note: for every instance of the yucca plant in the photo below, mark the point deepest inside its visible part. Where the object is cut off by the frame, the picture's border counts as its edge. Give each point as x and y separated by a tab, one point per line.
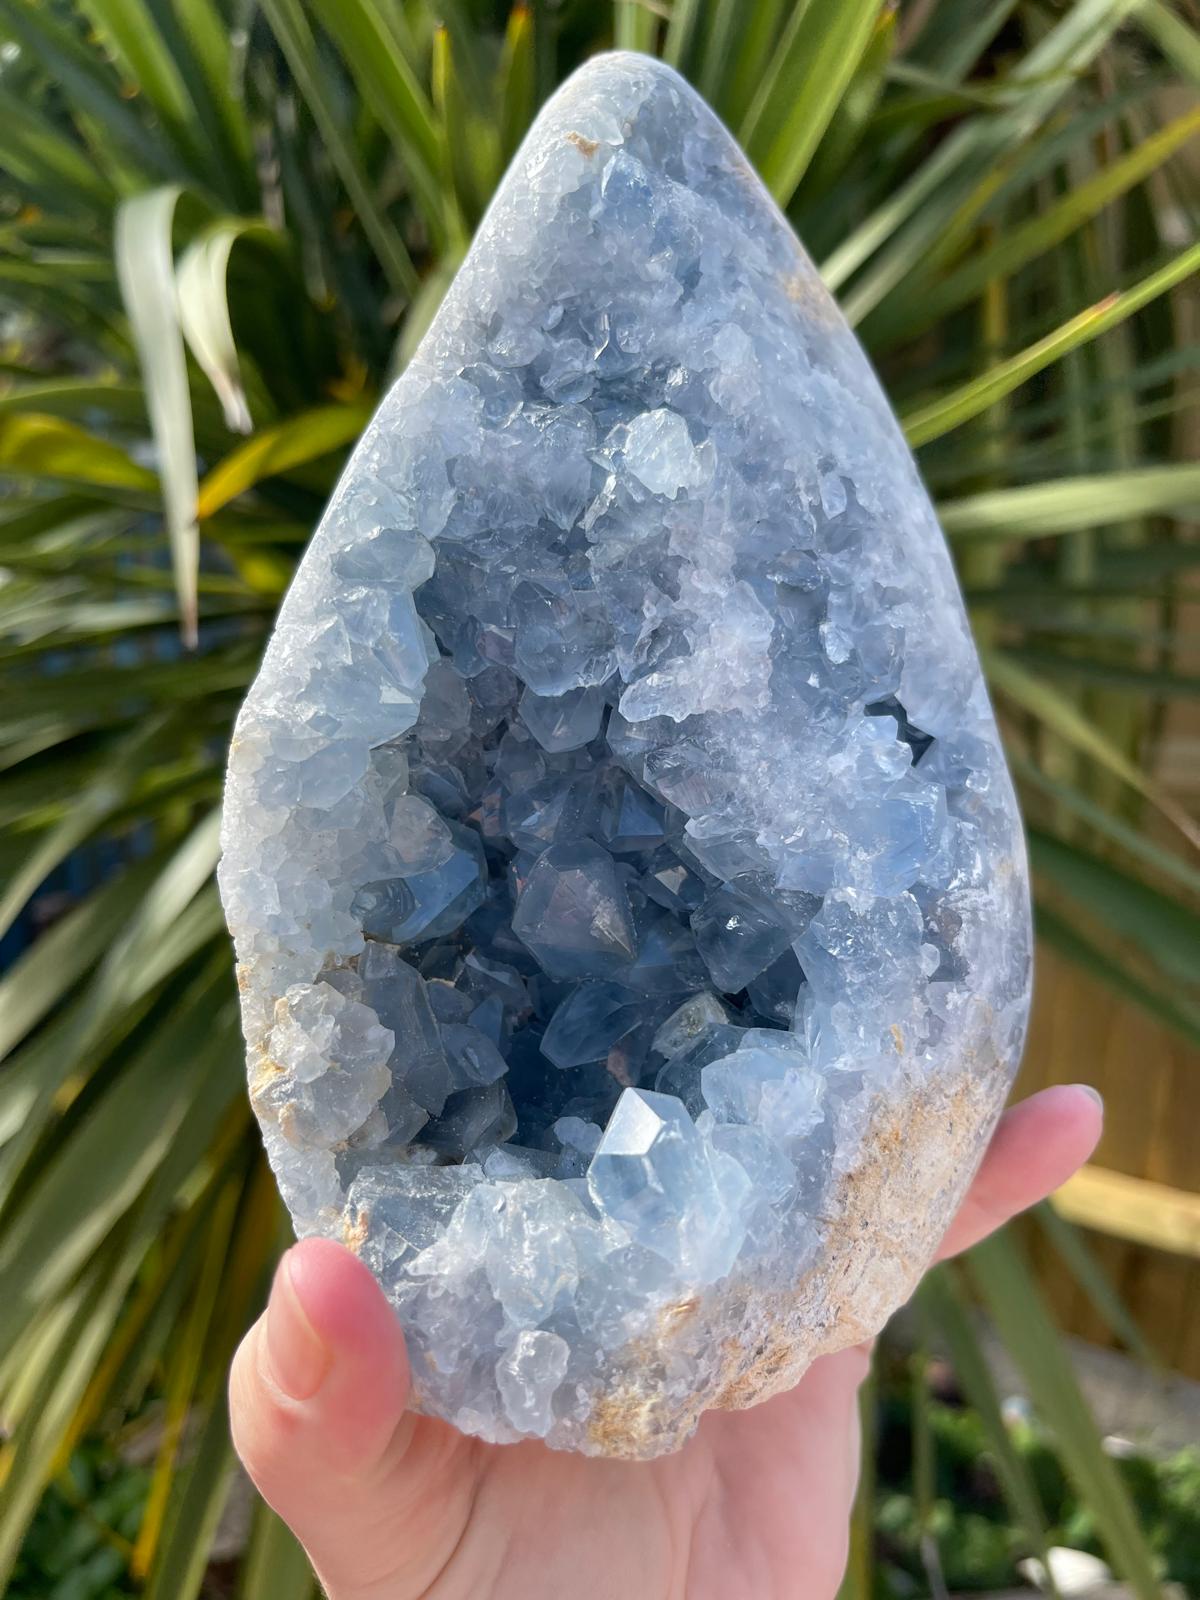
223	228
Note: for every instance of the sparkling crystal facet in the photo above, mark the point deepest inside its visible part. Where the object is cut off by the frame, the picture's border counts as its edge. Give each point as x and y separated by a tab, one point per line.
628	890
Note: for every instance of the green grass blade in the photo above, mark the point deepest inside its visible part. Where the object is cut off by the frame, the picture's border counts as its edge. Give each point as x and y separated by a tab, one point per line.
128	31
946	1307
1019	1312
717	48
77	1195
290	27
910	217
72	1338
818	57
681	33
952	410
94	93
90	807
375	60
53	166
751	58
276	1565
199	1495
634	25
1063	718
1071	1247
1164	930
1116	975
1122	834
146	272
1014	248
45	973
1177	41
517	80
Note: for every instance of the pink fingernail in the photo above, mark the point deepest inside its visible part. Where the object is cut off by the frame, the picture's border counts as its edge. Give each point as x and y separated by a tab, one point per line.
1095	1093
299	1358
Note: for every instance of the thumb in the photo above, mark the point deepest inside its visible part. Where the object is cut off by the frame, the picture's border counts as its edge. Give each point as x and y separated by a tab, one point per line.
317	1391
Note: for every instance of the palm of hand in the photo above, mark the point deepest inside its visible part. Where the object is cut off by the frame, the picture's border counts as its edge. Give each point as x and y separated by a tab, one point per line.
391	1506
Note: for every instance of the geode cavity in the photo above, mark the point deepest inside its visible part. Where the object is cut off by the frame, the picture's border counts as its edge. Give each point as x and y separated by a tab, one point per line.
628	890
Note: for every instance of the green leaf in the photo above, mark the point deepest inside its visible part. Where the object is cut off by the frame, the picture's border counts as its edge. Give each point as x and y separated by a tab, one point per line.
1064	505
279	449
943	1302
89	808
53	166
1115	974
1063	717
93	92
146	272
363	33
77	1194
517	80
634	25
1014	247
916	215
1163	930
71	1338
1003	1278
276	1565
46	972
39	445
1122	834
290	26
681	31
1179	43
941	416
818	56
751	56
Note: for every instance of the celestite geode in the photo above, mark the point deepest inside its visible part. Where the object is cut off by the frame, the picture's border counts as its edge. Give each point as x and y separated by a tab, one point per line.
628	889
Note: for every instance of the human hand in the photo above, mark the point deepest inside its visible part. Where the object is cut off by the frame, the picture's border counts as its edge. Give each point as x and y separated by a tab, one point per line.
394	1506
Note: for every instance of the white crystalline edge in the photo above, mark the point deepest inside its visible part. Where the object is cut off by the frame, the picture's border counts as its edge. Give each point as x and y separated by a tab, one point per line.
289	873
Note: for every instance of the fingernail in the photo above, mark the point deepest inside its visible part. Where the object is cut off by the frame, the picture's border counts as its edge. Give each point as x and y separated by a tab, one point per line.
1094	1093
298	1356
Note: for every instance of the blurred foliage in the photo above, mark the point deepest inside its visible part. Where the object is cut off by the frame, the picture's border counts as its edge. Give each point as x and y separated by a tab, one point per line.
223	228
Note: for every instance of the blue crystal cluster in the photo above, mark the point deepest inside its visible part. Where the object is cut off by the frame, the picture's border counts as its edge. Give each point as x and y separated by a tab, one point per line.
618	845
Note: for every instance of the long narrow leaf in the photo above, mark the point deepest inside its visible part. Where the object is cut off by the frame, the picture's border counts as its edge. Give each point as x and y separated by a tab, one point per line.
204	313
1016	1306
1063	718
799	96
1037	510
146	271
279	449
938	418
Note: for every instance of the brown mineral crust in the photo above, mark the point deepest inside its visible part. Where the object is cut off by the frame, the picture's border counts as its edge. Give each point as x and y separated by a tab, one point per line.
354	1233
918	1158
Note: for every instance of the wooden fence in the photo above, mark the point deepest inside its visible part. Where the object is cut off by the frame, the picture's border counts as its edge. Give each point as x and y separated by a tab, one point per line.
1140	1196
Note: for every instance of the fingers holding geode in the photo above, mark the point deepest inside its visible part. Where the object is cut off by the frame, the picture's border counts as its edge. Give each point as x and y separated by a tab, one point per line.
319	1384
1037	1146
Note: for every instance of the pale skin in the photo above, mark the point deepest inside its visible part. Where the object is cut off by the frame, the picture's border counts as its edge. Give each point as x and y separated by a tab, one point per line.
393	1506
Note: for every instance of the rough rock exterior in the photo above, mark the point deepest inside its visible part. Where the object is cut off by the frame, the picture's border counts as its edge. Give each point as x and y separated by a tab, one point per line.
628	889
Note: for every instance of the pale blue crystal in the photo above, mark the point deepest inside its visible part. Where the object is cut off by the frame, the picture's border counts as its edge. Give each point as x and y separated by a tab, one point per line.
655	1174
628	889
572	913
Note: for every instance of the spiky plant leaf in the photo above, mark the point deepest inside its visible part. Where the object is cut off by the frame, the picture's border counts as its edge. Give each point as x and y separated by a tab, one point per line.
216	216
